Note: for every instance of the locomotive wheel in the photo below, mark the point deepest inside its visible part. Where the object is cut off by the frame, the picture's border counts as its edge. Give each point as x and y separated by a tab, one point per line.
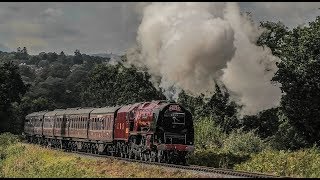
153	156
145	157
122	152
130	154
184	161
136	156
160	156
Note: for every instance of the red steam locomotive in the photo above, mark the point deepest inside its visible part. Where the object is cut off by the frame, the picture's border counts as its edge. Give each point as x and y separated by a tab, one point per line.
159	131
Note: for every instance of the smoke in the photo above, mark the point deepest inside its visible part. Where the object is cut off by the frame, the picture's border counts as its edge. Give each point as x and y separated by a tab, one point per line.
190	45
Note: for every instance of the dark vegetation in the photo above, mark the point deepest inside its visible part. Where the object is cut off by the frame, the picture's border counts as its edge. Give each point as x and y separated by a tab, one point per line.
49	80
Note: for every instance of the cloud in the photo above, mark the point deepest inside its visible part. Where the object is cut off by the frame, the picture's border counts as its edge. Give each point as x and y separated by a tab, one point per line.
291	14
4	48
111	26
190	45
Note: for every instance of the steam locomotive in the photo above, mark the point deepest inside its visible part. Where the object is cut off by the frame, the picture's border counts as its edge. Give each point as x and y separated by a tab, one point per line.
159	131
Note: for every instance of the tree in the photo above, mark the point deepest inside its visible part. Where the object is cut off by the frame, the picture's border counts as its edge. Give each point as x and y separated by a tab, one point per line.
266	123
111	85
222	109
193	104
218	107
77	58
24	52
12	89
299	75
273	37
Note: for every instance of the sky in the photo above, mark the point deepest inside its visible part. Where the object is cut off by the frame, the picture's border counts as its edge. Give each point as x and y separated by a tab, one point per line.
100	27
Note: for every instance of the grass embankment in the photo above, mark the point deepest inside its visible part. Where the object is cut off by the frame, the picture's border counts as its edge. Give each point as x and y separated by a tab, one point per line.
246	151
21	160
32	161
303	163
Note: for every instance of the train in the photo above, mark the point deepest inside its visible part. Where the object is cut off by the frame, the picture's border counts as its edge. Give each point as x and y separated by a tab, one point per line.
156	131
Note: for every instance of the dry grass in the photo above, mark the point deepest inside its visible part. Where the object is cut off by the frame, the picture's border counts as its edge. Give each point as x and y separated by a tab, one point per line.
24	160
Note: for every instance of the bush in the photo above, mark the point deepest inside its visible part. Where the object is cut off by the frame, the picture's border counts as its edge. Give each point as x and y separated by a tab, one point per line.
239	142
287	137
207	134
6	139
216	158
302	163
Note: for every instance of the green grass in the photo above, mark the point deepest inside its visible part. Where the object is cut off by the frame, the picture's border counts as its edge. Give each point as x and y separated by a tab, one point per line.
32	161
303	163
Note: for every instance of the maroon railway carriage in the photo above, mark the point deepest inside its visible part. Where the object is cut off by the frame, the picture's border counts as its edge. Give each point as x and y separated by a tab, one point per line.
152	131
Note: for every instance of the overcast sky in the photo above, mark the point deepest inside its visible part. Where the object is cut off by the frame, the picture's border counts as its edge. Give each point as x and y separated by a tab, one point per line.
100	27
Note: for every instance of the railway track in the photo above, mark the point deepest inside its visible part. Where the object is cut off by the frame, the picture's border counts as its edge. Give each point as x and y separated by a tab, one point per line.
204	169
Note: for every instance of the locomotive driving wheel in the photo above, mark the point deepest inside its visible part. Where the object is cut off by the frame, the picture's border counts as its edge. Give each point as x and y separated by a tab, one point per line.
153	156
160	156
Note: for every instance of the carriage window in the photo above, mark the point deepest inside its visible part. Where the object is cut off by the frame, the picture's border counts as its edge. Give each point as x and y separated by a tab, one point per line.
106	121
109	123
82	123
71	123
77	119
98	123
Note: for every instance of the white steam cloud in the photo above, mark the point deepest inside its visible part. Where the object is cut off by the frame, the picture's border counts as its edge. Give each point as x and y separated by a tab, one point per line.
190	45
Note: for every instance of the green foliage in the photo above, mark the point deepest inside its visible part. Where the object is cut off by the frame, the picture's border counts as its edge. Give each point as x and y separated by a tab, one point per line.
12	89
239	142
6	140
265	123
298	73
38	163
302	163
77	58
218	107
111	85
32	161
12	86
218	149
193	104
273	36
207	134
287	136
216	158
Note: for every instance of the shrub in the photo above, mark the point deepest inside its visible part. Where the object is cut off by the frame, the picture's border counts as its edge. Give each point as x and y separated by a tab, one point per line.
287	137
207	134
240	142
302	163
217	159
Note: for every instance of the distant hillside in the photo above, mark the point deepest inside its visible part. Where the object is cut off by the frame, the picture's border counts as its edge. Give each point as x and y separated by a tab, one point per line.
113	57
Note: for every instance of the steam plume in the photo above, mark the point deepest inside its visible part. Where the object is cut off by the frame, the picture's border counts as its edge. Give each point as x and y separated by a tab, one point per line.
189	45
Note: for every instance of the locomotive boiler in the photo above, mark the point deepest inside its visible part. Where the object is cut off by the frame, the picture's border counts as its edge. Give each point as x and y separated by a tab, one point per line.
159	131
